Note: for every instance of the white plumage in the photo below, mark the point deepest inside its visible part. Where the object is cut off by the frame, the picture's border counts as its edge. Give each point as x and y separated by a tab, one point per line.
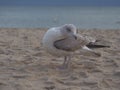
63	41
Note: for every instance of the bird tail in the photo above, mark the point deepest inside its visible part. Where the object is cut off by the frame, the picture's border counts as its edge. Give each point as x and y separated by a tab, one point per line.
89	52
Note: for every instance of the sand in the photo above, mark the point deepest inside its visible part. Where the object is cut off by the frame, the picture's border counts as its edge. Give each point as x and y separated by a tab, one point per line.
24	65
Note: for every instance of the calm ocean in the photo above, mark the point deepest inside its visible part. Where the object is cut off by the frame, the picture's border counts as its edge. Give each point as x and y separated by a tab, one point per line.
42	17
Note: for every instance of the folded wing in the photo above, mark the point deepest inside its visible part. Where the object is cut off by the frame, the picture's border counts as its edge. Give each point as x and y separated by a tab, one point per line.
77	42
71	43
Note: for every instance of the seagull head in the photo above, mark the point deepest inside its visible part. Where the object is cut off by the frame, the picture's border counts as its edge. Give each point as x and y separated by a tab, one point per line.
68	30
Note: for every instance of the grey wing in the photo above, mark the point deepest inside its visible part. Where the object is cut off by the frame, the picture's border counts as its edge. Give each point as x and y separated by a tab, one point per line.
70	44
93	43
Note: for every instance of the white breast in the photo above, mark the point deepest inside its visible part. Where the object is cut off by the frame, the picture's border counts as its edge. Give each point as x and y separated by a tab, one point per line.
48	42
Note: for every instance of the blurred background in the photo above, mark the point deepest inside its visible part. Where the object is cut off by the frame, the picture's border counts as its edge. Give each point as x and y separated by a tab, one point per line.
86	14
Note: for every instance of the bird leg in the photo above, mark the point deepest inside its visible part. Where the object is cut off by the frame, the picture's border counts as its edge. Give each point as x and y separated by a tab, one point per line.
66	62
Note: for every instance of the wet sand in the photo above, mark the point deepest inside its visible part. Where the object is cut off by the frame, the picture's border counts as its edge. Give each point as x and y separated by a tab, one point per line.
24	65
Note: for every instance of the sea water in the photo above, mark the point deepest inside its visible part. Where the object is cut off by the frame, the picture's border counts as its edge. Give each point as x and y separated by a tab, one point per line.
45	17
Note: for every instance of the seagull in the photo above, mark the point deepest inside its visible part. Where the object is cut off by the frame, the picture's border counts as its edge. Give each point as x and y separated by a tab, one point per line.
64	40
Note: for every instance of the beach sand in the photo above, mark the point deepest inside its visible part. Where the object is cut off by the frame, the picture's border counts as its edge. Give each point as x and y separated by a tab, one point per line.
24	65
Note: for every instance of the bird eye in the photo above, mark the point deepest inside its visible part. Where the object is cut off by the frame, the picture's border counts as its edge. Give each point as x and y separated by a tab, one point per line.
68	30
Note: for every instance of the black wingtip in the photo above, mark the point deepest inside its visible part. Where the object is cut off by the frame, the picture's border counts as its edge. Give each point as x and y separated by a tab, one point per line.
97	46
